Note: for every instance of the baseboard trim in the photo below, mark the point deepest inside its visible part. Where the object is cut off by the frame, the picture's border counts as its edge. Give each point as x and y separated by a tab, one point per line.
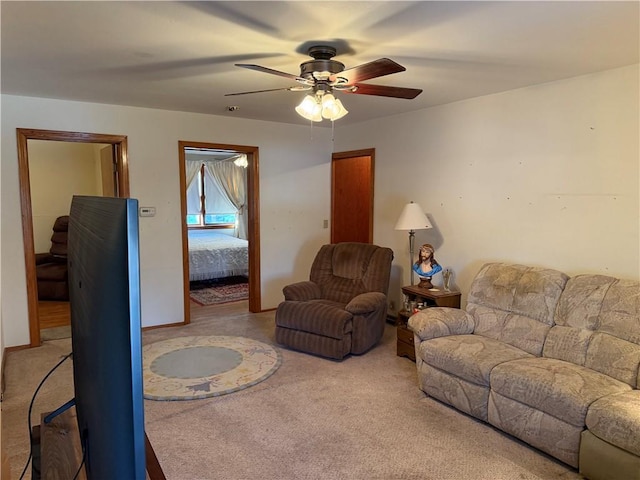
2	380
15	348
154	327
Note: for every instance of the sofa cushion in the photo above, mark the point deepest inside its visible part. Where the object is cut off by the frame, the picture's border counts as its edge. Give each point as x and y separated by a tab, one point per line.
344	270
59	237
620	314
614	356
616	419
470	357
517	330
515	303
581	301
576	318
546	432
567	343
558	388
317	317
315	344
466	396
52	272
615	349
598	326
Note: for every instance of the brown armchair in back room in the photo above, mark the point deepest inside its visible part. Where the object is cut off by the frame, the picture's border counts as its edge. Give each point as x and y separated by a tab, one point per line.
51	267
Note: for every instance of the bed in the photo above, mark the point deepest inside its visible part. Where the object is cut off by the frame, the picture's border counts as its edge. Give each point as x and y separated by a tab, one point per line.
216	255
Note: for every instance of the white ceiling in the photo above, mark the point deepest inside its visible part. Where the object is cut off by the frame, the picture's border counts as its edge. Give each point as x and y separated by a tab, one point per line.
181	55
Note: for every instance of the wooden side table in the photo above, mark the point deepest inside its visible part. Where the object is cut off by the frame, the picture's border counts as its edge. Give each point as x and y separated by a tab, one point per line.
431	298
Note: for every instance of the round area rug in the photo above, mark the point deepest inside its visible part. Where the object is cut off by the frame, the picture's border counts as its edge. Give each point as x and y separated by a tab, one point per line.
190	368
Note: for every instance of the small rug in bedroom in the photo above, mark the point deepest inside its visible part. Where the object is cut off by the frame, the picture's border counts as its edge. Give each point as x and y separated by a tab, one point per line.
212	292
195	367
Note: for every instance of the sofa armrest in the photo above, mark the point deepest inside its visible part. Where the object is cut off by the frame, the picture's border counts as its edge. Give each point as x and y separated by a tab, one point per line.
302	291
436	322
366	303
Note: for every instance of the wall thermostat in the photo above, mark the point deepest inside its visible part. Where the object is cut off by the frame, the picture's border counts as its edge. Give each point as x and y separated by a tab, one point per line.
147	211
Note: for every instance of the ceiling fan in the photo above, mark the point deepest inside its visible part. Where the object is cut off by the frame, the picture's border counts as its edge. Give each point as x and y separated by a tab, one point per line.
323	75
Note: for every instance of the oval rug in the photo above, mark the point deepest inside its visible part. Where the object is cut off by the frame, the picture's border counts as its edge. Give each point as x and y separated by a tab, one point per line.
191	368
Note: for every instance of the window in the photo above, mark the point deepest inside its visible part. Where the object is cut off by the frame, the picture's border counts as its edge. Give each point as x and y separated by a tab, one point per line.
207	205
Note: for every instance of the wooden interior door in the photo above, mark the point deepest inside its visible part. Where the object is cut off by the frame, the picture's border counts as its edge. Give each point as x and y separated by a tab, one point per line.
108	169
352	180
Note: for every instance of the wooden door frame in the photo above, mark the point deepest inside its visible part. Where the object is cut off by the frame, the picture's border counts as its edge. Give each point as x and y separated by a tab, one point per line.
336	156
253	220
119	143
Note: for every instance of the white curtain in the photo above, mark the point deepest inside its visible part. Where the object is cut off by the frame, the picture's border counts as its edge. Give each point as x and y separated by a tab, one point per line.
193	187
232	181
215	199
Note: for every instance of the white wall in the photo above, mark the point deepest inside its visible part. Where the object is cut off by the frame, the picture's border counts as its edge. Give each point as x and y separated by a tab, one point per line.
57	171
546	175
294	198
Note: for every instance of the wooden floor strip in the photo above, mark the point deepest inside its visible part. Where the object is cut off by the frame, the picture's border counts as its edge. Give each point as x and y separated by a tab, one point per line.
54	314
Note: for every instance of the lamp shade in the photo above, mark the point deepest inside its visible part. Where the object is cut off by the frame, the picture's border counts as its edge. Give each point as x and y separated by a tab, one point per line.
318	106
412	218
332	109
310	109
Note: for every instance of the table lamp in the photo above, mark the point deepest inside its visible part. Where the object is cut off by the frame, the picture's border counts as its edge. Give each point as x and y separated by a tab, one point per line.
412	218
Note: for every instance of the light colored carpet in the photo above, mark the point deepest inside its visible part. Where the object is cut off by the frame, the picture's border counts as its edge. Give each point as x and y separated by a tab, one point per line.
196	367
55	333
363	418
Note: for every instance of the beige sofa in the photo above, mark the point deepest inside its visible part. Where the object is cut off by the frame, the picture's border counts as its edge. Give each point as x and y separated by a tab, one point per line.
551	360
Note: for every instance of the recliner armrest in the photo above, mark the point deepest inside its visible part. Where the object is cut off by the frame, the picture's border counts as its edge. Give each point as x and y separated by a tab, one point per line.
366	303
436	322
302	291
43	258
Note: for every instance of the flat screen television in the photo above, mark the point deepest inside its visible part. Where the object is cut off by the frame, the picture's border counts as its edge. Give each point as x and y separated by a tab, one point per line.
104	292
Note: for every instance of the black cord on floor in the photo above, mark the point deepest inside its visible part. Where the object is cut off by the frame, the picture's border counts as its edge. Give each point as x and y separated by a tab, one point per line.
84	456
31	409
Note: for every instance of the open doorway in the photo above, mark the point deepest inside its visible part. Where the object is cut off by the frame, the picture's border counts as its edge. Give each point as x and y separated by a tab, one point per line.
107	170
57	172
220	222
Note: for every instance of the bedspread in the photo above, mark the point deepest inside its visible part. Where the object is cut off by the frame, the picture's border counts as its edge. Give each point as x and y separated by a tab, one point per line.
216	255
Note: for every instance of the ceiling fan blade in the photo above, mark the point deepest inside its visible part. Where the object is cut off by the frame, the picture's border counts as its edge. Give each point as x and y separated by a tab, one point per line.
366	71
385	91
259	68
291	89
184	68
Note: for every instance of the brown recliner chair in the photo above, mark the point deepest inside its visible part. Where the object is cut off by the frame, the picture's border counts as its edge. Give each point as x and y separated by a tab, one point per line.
342	308
51	267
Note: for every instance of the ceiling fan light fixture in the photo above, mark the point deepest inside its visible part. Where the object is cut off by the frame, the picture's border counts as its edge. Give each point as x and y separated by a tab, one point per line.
329	107
241	161
332	108
324	75
310	109
319	106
